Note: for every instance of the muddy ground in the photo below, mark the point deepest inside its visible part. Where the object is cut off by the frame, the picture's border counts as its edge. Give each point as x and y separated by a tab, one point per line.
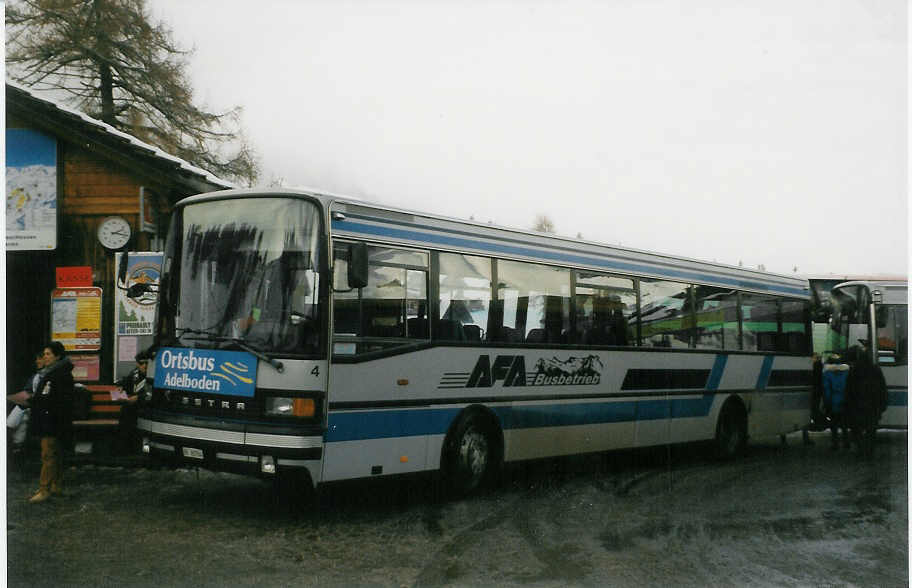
799	516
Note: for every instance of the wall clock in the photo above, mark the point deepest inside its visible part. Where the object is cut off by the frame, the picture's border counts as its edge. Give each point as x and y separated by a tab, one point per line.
114	232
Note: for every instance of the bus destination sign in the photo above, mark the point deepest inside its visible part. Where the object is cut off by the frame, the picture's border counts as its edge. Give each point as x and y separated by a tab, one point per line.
206	371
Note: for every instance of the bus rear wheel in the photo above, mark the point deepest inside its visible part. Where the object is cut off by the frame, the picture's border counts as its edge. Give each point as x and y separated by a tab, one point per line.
731	431
471	455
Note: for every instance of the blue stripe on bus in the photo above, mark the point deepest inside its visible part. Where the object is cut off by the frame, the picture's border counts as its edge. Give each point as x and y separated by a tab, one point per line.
565	415
898	398
475	244
715	376
354	426
383	424
765	369
380	424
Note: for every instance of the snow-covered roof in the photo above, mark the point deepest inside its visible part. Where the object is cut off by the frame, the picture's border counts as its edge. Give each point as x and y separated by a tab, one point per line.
134	143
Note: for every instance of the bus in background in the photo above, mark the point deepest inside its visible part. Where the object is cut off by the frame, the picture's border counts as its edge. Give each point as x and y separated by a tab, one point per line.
873	316
303	332
822	305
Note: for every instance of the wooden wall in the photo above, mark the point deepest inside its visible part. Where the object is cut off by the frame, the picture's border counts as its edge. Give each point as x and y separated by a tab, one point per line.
90	189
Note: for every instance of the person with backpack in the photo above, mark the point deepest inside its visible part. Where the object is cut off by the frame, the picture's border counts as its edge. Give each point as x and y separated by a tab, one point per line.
835	376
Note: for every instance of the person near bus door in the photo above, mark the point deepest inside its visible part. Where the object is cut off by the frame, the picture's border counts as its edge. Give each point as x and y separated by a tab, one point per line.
52	407
835	375
866	391
818	421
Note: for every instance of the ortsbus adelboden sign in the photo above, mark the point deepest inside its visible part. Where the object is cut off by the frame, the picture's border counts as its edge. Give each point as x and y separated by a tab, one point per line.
206	371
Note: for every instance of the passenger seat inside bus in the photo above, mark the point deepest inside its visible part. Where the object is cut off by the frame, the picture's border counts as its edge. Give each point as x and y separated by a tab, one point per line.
448	330
418	328
472	332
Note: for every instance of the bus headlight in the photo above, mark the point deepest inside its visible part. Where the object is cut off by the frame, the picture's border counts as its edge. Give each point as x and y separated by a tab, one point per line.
291	407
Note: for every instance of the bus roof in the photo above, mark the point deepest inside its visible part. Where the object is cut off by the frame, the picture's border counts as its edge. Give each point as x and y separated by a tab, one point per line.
363	219
839	278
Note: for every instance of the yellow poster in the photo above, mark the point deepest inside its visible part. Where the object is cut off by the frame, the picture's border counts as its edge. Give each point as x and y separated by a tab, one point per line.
76	318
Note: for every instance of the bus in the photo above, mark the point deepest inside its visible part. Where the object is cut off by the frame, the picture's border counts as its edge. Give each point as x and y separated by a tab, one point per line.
822	305
873	317
303	333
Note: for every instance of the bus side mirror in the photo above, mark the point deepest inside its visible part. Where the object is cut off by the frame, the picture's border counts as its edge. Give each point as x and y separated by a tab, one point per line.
122	269
140	290
357	266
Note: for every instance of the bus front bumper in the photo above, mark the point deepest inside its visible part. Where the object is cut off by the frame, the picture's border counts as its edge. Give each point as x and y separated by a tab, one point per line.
263	454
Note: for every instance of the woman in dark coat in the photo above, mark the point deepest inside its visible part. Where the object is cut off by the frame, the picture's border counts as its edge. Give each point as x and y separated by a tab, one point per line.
52	407
867	399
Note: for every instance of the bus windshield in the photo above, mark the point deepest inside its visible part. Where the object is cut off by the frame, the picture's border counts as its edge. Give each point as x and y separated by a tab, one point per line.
849	324
247	273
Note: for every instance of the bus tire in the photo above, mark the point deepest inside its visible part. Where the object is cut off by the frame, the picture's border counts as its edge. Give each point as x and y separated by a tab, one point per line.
471	454
731	431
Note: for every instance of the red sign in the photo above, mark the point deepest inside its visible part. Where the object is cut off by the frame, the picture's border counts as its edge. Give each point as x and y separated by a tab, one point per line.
74	276
86	368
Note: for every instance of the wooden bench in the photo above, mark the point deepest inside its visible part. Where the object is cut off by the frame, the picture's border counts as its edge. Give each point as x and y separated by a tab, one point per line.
96	419
95	408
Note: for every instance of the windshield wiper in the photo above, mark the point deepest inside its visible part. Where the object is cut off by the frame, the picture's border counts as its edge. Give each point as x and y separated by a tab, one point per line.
243	344
279	367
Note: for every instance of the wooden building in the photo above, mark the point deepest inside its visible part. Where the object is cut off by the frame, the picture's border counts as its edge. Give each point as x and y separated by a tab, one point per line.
66	175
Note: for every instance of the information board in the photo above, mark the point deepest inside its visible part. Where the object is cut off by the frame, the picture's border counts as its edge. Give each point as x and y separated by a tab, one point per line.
76	318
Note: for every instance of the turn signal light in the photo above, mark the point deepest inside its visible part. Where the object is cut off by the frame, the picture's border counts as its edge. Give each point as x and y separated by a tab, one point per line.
290	407
304	407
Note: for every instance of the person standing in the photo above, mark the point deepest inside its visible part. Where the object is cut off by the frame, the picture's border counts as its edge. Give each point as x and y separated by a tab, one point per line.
835	375
817	418
21	412
52	407
866	390
133	386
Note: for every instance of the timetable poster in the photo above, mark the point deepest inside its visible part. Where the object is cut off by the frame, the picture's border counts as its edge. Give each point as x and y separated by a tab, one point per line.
76	318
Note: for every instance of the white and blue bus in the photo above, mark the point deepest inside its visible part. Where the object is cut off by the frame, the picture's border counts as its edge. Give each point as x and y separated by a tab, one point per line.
303	332
872	316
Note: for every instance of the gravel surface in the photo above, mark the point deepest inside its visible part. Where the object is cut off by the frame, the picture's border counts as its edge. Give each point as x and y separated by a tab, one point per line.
794	516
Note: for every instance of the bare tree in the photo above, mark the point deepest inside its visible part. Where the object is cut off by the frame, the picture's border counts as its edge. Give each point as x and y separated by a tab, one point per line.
118	67
543	224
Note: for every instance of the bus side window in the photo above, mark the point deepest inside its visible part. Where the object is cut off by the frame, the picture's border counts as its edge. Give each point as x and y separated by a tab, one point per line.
465	298
346	305
665	314
391	305
759	322
605	310
795	335
892	335
716	318
536	302
394	301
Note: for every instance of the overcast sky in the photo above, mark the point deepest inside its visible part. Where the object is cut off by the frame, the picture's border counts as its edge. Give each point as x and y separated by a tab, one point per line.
770	132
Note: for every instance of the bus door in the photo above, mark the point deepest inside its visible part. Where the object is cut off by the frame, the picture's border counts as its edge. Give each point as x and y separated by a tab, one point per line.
893	358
